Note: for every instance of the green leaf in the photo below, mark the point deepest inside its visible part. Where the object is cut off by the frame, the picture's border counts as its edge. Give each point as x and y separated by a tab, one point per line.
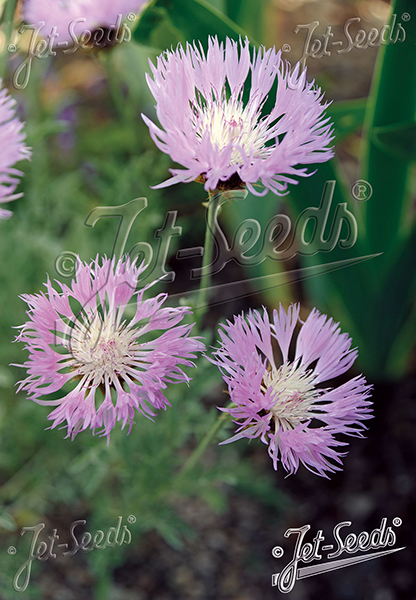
7	521
249	15
348	292
347	117
85	460
170	534
397	140
398	296
9	8
392	103
387	167
155	29
215	498
184	20
6	378
400	357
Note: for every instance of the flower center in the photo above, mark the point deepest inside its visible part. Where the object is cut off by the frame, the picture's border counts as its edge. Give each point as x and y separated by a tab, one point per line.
228	123
101	348
294	392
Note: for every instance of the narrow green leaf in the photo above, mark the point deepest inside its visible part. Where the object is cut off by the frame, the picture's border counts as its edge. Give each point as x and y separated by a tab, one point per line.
398	294
347	293
397	140
392	103
7	18
400	358
7	521
347	117
8	8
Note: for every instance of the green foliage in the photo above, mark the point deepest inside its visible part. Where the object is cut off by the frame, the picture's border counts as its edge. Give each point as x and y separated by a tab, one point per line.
374	299
167	22
98	158
102	155
137	475
347	117
398	139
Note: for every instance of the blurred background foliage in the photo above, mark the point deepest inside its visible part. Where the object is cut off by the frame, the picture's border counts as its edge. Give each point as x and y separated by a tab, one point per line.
91	148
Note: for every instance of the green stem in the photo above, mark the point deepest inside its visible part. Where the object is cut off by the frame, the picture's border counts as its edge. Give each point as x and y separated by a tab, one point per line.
8	19
39	199
204	443
114	84
213	203
124	105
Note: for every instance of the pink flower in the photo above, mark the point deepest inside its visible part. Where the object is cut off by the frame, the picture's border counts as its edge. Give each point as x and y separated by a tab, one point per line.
287	406
77	16
112	356
224	141
12	150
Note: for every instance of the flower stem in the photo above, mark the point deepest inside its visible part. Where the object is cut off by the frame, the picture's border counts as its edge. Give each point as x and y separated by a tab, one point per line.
204	443
213	203
114	84
8	17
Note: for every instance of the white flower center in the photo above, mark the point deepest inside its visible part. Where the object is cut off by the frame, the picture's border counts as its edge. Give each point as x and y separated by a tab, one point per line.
295	393
228	123
101	348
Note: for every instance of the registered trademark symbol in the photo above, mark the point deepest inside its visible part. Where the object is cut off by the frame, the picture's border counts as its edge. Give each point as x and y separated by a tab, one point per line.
131	17
361	190
286	48
131	519
277	552
397	521
405	17
11	550
11	48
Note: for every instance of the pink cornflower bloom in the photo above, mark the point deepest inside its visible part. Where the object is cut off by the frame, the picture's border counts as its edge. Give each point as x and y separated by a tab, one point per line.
228	143
71	18
285	403
12	150
115	350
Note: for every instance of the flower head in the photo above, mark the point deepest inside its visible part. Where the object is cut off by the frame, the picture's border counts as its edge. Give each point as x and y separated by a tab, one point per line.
224	141
113	364
287	406
71	18
12	149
